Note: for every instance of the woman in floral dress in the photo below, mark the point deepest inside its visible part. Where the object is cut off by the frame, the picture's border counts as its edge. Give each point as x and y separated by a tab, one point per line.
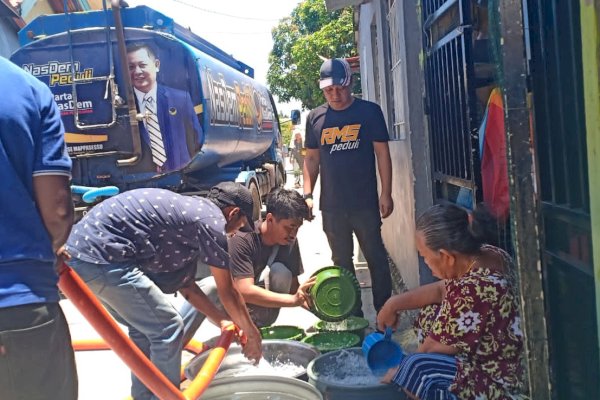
470	338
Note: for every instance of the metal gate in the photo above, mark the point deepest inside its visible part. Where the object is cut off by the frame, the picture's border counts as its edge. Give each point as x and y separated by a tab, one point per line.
450	101
560	136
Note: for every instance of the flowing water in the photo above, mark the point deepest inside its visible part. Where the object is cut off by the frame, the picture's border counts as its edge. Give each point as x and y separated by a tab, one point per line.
348	369
240	366
344	325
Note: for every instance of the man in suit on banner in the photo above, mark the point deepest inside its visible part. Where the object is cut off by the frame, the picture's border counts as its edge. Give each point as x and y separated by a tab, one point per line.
171	132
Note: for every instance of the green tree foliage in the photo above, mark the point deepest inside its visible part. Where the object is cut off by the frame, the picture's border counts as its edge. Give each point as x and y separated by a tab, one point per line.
286	129
298	41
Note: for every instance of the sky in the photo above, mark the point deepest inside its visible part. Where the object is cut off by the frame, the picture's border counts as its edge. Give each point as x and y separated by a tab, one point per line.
239	27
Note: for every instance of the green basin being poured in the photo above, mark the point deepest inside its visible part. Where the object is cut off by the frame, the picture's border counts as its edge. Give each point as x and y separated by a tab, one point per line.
282	332
330	341
335	293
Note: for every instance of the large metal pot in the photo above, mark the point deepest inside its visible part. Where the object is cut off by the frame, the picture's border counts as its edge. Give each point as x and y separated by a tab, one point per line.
260	388
275	352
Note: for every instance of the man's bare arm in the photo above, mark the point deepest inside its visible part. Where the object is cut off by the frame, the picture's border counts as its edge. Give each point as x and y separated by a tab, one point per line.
254	294
235	306
310	171
53	199
196	297
384	165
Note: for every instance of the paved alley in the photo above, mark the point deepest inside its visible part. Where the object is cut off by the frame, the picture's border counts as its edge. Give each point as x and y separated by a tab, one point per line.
102	375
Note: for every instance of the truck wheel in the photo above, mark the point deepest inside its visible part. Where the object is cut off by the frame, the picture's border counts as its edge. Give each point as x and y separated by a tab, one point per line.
257	202
280	177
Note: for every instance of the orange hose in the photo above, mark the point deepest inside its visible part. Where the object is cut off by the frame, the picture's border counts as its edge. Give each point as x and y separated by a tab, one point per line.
114	338
194	346
90	344
211	365
89	306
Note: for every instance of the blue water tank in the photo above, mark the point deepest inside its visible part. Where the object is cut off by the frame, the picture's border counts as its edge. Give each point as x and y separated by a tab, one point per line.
210	113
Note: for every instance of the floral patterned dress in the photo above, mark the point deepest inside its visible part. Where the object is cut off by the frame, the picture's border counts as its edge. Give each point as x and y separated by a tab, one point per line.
479	316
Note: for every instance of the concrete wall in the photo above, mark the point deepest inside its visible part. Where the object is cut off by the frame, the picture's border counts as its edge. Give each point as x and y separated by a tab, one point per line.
34	8
417	121
398	229
8	37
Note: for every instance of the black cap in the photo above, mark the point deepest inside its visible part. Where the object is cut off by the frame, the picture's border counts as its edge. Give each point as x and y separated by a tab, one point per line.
236	195
335	72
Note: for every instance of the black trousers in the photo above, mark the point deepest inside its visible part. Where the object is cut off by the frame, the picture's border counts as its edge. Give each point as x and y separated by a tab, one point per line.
366	225
36	356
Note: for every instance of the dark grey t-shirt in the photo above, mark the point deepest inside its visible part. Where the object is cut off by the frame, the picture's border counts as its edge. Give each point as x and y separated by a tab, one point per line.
345	142
249	255
159	230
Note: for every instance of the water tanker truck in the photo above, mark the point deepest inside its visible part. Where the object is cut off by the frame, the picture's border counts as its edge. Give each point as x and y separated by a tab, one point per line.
147	103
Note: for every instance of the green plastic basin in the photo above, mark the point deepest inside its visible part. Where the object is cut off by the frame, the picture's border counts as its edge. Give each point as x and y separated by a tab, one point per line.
282	332
330	341
335	293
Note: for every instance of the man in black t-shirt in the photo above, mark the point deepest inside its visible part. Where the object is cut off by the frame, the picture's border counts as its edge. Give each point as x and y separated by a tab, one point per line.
265	263
345	138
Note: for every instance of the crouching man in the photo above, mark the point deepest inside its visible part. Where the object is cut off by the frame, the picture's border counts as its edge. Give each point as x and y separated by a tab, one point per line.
266	262
133	248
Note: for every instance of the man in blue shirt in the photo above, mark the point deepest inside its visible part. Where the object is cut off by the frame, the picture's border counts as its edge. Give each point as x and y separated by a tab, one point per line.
134	247
36	214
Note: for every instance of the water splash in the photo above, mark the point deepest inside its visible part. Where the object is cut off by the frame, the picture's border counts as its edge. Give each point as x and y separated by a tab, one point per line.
279	368
339	326
348	368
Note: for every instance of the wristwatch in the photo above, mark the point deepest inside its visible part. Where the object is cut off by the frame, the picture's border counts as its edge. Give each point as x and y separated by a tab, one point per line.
307	196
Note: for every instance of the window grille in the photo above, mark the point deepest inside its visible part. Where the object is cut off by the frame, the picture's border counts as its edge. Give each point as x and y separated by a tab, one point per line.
397	70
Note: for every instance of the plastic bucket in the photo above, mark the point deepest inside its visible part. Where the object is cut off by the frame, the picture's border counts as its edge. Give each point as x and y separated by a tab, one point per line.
344	375
352	324
260	388
335	293
283	332
331	341
381	352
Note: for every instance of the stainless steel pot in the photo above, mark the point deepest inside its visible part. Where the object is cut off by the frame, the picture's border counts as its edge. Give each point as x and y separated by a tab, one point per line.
274	352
